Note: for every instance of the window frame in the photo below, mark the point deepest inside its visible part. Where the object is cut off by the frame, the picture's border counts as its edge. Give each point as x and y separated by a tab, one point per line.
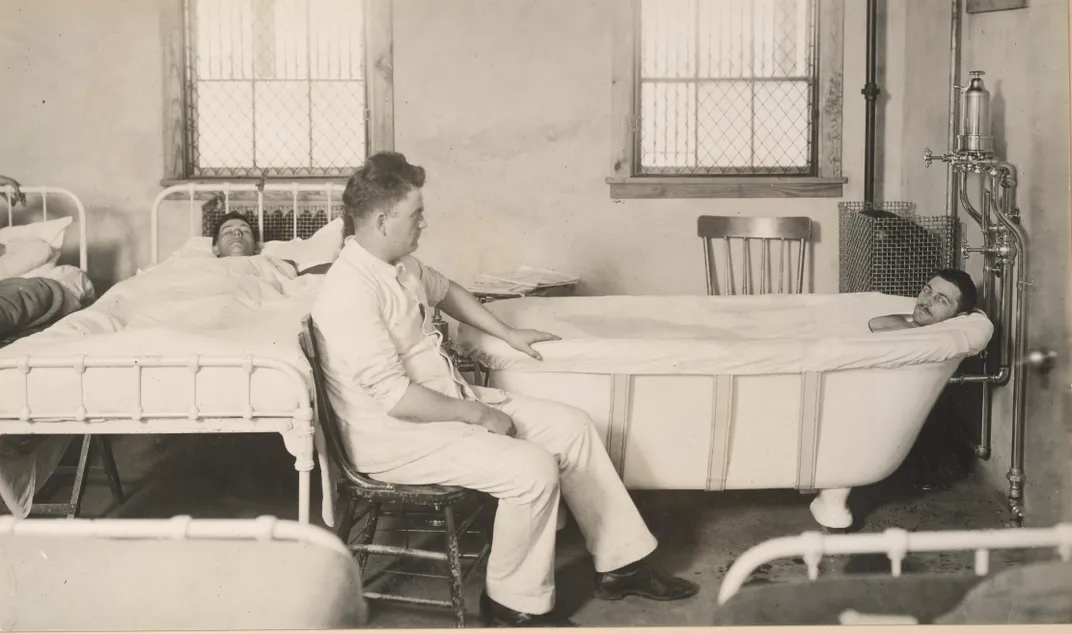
624	181
379	89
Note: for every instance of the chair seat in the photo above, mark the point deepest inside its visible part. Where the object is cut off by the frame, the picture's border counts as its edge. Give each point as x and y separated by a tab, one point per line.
430	493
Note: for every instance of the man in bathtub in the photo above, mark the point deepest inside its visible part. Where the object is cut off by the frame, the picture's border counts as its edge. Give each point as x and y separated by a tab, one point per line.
410	418
950	293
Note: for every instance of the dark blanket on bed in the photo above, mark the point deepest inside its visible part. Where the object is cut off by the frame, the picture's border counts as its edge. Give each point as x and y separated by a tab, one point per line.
27	303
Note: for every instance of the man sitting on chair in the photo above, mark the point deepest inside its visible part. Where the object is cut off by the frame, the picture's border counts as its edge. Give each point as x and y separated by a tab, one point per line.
950	293
410	418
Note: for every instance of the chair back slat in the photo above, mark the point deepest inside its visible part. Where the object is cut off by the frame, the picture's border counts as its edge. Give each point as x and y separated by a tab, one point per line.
787	232
325	413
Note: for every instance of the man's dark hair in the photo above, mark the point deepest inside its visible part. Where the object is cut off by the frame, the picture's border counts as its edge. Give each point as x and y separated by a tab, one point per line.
234	215
969	296
384	180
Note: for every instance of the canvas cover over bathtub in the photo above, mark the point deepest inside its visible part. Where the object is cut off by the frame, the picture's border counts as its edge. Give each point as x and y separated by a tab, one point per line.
712	335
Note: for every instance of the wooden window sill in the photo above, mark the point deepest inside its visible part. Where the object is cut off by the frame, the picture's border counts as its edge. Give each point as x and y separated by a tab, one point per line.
725	187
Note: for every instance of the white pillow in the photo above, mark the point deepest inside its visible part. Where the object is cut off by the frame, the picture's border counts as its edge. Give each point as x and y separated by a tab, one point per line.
50	231
25	255
195	247
323	247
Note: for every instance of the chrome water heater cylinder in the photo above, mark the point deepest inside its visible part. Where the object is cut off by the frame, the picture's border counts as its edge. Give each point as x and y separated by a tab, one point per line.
975	133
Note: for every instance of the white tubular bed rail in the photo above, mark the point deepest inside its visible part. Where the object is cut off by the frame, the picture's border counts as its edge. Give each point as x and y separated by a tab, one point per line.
44	191
895	543
181	527
295	426
331	189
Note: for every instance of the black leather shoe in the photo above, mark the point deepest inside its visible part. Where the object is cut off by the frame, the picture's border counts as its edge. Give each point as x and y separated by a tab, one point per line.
645	582
498	615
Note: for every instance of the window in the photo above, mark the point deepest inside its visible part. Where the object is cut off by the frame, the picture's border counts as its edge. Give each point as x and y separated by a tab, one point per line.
727	98
278	88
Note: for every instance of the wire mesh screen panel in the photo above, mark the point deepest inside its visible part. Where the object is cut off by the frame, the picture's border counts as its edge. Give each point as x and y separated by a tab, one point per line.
276	87
728	87
889	249
278	217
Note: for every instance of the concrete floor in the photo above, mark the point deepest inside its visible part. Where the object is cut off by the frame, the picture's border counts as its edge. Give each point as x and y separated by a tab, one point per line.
700	533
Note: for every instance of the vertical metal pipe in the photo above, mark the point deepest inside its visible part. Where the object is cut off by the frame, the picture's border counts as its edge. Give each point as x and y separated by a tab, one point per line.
1019	350
954	79
870	93
982	450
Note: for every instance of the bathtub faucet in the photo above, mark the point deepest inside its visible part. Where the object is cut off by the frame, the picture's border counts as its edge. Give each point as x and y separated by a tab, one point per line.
1000	248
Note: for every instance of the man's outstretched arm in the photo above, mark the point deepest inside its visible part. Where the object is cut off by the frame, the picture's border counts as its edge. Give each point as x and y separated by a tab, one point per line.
461	305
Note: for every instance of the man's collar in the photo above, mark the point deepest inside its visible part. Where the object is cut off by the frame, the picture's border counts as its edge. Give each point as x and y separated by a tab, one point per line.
353	250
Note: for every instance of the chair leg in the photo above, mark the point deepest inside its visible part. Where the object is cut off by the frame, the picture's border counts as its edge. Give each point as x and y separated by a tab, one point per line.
104	446
454	561
80	474
368	533
347	508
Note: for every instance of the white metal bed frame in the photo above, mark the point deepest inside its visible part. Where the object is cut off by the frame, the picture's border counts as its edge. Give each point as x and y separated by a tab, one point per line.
296	427
332	191
81	470
182	527
44	191
895	543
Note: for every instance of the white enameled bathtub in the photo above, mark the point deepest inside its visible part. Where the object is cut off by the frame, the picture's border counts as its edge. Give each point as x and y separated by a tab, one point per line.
724	393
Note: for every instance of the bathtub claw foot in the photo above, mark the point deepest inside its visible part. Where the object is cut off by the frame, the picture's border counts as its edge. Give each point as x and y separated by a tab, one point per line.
830	508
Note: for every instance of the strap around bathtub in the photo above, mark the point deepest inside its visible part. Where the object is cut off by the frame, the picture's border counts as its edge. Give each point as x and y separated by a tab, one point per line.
621	395
808	449
718	461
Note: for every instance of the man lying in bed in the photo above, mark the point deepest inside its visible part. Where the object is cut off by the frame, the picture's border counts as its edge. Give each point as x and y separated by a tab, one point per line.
950	293
233	237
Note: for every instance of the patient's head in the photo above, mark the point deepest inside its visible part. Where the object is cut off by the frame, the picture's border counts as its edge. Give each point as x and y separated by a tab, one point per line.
233	237
950	293
384	202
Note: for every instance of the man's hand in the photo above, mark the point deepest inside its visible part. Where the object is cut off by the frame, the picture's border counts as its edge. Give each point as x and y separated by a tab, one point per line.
522	340
495	421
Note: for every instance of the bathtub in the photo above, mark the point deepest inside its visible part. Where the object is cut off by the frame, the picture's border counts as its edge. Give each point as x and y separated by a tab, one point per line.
730	393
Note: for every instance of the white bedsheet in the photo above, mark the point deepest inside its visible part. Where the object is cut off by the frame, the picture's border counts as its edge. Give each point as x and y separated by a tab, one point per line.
219	307
721	335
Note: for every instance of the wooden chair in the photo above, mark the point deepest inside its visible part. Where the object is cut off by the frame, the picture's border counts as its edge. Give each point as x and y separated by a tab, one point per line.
786	230
355	488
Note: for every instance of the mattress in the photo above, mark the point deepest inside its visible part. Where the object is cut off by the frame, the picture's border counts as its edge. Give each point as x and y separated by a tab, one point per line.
220	307
189	306
710	335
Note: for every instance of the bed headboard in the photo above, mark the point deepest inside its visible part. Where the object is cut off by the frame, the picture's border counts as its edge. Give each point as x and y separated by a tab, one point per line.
44	193
276	211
